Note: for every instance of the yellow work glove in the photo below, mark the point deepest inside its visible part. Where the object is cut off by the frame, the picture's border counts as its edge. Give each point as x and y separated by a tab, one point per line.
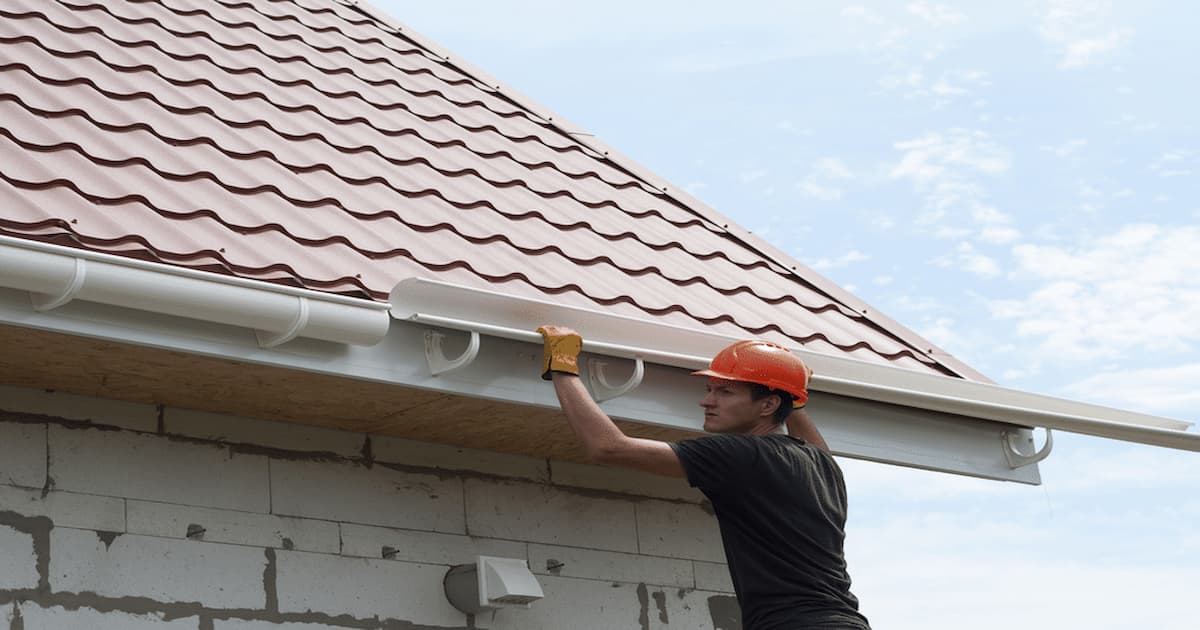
560	350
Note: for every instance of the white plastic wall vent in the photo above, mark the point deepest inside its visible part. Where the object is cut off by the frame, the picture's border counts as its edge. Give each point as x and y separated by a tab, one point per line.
491	583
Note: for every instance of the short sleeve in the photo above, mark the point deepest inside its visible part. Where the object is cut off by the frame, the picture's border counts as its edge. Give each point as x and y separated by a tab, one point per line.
715	463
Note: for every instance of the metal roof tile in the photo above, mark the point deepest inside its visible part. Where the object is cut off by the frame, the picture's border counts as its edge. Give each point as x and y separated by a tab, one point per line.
308	143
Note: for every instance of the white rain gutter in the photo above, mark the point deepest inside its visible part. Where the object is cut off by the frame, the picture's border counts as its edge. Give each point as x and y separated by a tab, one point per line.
456	307
55	275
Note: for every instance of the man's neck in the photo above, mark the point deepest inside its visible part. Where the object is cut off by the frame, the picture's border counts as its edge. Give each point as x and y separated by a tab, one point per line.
766	427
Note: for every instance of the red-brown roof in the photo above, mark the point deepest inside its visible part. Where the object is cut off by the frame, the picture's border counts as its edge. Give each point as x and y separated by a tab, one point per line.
311	143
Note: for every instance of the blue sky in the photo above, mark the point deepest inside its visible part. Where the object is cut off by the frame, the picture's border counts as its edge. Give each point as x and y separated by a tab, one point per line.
1017	181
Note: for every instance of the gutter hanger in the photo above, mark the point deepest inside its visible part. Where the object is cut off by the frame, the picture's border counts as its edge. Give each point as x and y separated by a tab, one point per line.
446	305
56	275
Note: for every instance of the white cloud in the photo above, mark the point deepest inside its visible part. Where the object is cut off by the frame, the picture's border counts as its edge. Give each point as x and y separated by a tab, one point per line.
999	235
950	232
1135	290
883	280
975	262
1048	592
1112	523
1161	390
967	258
848	258
1067	149
995	225
858	12
935	156
819	183
912	78
813	190
1174	163
989	215
747	177
882	222
832	168
1083	52
936	14
1079	30
941	332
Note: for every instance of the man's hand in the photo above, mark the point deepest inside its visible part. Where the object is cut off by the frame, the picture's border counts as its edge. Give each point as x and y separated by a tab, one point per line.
560	350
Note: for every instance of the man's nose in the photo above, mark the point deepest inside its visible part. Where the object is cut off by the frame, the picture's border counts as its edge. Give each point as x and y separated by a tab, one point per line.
706	401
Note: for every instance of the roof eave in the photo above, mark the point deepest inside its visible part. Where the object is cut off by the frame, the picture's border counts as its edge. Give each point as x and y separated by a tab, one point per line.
868	411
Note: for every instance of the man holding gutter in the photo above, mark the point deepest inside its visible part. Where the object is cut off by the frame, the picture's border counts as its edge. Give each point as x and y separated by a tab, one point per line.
779	497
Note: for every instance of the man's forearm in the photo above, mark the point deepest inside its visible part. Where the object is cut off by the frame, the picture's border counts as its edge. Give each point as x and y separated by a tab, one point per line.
801	426
591	425
603	440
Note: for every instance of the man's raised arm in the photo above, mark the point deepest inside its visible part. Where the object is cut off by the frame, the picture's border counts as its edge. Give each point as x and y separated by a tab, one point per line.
602	440
799	425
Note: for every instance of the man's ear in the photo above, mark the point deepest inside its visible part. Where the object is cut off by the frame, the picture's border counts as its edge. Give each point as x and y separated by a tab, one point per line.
769	404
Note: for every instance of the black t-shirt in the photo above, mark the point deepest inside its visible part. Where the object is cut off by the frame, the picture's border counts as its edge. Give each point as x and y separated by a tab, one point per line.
781	506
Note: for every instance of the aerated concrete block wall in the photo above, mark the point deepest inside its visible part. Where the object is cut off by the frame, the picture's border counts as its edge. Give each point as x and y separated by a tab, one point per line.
118	516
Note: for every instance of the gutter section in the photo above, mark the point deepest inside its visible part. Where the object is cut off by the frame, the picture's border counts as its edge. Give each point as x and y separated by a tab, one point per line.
452	306
56	275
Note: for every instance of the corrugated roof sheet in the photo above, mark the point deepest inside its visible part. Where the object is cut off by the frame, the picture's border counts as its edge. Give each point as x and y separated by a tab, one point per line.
312	143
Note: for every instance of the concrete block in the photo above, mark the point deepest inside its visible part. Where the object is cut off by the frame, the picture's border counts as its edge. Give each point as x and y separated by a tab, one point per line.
101	411
541	513
610	566
242	624
160	569
364	589
694	610
424	547
429	455
678	530
713	577
352	493
227	526
281	435
574	603
622	480
66	509
58	618
23	454
18	562
155	468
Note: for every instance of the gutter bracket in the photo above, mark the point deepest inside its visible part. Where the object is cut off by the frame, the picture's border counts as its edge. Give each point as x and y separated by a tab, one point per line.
436	358
44	302
270	340
1015	458
602	390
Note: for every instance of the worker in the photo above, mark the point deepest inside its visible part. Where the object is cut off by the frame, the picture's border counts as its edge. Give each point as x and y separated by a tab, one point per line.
779	499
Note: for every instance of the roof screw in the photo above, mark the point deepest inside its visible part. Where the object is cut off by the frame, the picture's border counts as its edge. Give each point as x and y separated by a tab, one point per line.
195	531
389	552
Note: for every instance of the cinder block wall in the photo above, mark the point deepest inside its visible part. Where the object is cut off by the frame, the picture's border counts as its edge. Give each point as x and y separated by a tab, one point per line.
127	517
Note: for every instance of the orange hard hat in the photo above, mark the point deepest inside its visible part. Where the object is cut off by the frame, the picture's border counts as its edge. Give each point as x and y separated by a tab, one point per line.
761	362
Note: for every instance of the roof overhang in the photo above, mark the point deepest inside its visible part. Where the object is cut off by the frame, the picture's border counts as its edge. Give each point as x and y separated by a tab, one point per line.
483	346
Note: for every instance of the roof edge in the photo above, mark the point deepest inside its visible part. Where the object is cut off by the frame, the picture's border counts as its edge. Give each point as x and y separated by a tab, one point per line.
55	275
453	306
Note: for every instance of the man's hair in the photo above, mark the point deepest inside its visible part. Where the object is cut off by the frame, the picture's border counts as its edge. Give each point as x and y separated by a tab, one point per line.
759	392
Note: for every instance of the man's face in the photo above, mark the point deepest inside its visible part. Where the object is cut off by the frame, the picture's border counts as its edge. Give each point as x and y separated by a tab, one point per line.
729	407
